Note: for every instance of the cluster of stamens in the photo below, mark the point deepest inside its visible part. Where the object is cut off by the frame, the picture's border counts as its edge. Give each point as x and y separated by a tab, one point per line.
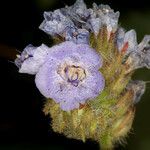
72	74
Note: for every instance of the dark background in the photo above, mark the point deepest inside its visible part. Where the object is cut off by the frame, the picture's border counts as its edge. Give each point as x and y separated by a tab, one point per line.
22	122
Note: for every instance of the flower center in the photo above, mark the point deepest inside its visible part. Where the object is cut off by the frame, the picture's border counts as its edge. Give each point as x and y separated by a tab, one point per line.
72	74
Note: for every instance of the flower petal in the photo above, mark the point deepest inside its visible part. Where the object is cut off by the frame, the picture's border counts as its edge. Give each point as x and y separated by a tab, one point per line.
31	59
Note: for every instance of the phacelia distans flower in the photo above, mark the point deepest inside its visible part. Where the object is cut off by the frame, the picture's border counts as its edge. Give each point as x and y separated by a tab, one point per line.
76	22
86	75
31	59
70	75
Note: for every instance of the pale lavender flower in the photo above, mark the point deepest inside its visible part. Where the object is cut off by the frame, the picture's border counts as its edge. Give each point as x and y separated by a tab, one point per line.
66	22
78	36
78	12
70	75
138	88
103	15
128	37
55	23
120	38
131	38
31	59
137	55
144	52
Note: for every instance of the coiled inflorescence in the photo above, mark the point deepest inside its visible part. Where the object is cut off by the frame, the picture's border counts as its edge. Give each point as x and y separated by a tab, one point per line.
86	76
